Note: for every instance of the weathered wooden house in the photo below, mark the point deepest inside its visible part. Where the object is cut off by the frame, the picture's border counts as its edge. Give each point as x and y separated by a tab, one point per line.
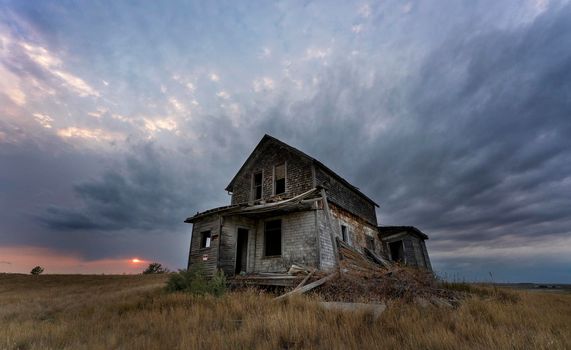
287	208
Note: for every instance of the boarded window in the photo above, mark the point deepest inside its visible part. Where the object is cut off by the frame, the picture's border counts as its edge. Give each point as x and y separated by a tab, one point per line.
279	179
370	243
344	234
273	238
205	239
257	185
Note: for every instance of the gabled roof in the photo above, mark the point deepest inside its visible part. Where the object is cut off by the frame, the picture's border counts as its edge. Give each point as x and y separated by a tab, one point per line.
268	138
390	230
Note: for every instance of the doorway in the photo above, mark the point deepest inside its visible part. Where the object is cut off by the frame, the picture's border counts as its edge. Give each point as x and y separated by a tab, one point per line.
241	251
397	251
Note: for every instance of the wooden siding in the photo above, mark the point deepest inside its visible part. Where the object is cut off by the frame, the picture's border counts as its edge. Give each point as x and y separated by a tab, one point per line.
415	253
230	227
212	224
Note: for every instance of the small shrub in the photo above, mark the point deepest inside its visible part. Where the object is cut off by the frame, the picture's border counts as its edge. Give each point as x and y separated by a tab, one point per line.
37	270
218	284
195	281
154	268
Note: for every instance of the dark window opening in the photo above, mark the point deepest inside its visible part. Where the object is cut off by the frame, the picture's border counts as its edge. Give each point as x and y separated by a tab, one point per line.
273	238
279	178
371	243
344	233
258	185
205	239
397	251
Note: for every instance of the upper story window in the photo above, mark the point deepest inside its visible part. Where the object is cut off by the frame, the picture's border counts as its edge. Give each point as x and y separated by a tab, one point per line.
279	178
257	185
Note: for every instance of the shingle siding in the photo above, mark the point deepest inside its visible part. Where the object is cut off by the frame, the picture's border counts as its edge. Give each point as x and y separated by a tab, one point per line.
299	177
298	243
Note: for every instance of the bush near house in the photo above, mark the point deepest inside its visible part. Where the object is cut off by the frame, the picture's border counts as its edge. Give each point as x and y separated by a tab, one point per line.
194	281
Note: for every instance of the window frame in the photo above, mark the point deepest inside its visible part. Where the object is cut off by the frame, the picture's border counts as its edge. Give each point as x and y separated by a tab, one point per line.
370	239
265	255
344	234
274	180
253	187
205	239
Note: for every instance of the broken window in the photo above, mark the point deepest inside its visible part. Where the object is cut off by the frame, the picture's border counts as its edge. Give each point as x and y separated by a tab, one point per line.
370	243
273	238
257	185
279	179
205	239
344	234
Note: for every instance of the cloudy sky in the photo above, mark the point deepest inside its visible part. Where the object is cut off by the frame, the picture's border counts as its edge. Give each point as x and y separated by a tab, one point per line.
120	119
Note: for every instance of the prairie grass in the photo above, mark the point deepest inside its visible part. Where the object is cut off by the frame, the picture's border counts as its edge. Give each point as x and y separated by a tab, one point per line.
135	312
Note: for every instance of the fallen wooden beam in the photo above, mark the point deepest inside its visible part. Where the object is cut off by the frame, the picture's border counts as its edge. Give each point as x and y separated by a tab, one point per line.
377	258
304	280
308	287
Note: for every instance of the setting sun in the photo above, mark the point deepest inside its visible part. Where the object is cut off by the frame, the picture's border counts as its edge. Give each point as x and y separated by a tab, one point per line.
135	261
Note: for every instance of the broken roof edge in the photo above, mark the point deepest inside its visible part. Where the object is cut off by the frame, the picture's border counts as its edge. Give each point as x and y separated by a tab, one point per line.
208	212
391	230
267	137
245	208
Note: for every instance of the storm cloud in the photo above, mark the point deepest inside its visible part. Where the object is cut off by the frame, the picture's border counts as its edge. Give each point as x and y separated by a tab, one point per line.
455	117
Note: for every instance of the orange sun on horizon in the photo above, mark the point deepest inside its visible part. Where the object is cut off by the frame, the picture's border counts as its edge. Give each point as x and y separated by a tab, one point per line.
136	261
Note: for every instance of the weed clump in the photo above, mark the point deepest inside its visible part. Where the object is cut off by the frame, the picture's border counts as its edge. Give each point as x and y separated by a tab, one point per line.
195	281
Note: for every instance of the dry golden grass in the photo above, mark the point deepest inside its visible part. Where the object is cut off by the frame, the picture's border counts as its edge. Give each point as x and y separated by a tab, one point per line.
133	312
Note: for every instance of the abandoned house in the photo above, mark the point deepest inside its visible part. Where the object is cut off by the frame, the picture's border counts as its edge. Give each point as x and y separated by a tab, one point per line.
288	208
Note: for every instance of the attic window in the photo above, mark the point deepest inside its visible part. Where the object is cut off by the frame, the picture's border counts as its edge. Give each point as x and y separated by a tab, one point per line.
344	233
273	238
205	239
257	186
279	179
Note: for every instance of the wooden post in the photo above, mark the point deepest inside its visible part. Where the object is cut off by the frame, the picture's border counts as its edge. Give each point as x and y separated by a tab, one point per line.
330	224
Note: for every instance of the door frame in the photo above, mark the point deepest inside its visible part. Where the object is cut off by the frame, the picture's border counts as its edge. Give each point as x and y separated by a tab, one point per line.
248	230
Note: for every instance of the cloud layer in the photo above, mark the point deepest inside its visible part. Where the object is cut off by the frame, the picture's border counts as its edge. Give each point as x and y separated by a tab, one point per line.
455	118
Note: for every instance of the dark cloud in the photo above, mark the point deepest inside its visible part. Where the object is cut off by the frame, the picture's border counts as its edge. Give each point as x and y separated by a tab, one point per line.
143	194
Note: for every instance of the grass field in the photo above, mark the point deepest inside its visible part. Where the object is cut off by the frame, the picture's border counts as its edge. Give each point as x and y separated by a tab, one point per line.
134	312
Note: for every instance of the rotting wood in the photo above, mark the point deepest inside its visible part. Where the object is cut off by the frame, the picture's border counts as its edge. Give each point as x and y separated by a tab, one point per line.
305	280
296	269
307	287
377	258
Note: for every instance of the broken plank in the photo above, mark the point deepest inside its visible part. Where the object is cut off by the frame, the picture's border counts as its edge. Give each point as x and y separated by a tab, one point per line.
304	280
308	287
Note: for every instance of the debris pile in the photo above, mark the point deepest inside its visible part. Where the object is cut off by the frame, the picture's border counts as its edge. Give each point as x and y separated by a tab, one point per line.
372	279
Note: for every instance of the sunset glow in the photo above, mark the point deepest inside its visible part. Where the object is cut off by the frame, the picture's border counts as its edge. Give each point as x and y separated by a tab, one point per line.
136	261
